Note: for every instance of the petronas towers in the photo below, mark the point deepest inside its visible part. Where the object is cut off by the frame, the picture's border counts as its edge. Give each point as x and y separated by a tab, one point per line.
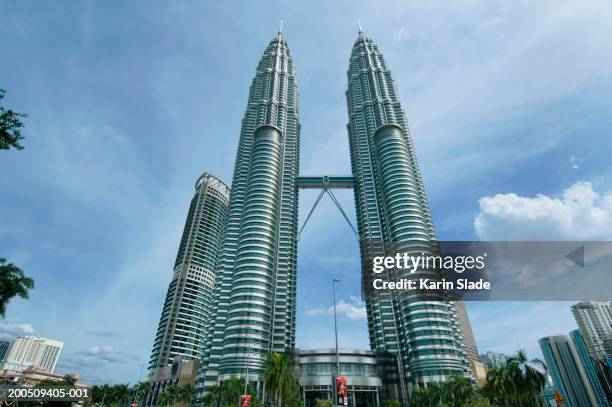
253	303
255	292
392	207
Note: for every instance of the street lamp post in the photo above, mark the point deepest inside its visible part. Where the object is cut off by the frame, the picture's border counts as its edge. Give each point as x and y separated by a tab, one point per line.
334	281
142	366
246	377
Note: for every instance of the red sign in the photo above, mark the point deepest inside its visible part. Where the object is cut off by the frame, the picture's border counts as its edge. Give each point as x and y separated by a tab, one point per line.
341	391
245	400
559	399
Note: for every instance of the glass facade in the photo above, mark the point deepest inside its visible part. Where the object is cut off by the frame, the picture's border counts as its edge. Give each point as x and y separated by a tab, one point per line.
254	297
392	207
589	367
323	369
567	371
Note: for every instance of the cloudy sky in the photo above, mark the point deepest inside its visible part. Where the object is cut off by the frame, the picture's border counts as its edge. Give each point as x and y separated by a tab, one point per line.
508	103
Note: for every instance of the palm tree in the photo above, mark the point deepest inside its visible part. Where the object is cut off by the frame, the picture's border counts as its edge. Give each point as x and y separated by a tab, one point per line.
164	399
522	383
418	398
12	283
456	391
278	376
120	394
101	395
459	389
517	383
186	393
173	392
226	393
141	391
212	397
395	403
96	394
293	394
499	388
531	381
436	394
477	400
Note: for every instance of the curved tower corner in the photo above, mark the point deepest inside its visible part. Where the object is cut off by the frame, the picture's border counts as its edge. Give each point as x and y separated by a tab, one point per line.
392	207
255	294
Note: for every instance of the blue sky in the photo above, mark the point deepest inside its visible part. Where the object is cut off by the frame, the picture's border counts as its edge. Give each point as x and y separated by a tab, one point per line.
128	103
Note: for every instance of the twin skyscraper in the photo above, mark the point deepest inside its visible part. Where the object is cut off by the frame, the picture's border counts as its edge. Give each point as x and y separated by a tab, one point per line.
233	296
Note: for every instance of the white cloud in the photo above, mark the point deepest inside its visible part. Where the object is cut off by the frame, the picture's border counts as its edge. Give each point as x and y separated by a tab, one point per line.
103	352
13	330
574	163
96	356
402	34
320	310
579	214
354	310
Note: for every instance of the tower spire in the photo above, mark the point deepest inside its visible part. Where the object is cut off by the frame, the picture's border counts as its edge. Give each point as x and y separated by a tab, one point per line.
359	25
280	28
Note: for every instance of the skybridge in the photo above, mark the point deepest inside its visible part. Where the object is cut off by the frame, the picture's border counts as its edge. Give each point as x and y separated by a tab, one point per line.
326	183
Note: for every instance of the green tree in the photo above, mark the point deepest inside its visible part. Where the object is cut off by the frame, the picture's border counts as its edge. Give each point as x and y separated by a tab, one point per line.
13	283
174	393
279	379
227	393
530	381
164	399
10	125
211	399
140	392
186	393
293	394
459	389
66	382
120	395
477	400
255	402
391	403
495	386
517	383
99	394
456	392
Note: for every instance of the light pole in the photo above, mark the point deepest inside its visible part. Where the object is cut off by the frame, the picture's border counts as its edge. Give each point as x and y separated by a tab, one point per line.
334	281
246	377
142	366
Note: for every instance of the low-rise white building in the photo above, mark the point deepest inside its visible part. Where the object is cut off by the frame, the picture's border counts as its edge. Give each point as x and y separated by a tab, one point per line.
27	351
